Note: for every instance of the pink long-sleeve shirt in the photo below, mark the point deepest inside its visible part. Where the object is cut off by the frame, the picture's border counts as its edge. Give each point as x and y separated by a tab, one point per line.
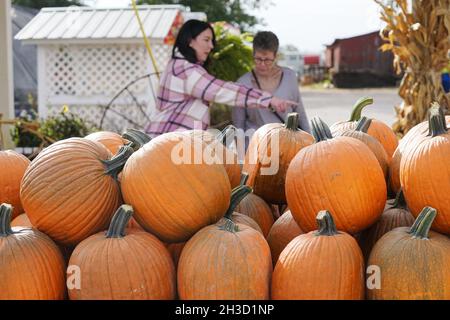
184	94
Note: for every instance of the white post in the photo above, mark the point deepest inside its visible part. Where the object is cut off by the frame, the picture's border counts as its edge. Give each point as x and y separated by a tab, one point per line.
6	71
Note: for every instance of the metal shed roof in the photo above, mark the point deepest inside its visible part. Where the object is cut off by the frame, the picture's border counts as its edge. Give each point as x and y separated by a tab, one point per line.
87	24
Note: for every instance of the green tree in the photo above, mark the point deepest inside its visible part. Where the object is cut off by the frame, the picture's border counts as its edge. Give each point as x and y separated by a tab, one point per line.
232	11
38	4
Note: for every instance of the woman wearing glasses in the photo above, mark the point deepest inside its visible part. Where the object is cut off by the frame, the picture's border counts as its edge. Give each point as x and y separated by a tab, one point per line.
186	88
268	76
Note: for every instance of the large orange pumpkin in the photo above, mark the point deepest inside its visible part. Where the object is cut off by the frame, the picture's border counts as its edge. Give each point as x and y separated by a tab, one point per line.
282	232
320	265
13	166
360	133
270	151
69	192
394	216
340	175
424	172
111	140
174	197
123	264
377	129
413	262
225	261
416	132
31	265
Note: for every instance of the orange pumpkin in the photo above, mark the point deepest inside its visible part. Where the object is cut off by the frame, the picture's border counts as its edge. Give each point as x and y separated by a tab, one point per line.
172	196
244	219
31	265
175	250
378	129
424	172
394	216
21	220
270	151
69	191
13	166
413	262
133	224
360	133
111	140
339	174
225	261
123	264
416	132
320	265
282	232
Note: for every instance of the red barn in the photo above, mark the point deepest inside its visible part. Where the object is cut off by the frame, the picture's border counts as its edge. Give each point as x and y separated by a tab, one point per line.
358	62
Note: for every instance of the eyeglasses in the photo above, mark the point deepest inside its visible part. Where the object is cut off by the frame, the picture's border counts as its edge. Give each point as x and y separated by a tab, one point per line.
267	62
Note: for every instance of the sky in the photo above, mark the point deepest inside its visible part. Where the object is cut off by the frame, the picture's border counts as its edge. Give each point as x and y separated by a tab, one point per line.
308	24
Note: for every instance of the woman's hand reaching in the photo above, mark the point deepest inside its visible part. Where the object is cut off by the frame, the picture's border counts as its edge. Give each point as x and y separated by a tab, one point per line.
281	105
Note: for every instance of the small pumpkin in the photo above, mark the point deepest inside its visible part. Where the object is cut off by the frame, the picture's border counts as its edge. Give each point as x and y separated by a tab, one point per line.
21	220
424	172
360	133
13	166
394	216
122	264
111	140
282	232
31	265
340	174
321	265
413	262
174	197
377	129
70	191
225	261
270	151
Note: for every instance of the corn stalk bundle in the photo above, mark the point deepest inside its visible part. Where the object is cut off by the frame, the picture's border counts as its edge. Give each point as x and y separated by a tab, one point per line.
418	34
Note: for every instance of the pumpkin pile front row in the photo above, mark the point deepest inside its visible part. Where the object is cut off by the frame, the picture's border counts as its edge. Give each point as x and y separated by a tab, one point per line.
115	217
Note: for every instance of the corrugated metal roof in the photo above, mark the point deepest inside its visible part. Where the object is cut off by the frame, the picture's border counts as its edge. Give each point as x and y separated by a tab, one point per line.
86	24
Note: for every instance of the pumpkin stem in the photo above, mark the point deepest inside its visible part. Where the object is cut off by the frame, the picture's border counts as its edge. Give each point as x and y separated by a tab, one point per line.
358	107
237	195
320	130
292	121
115	165
425	220
244	178
136	137
363	124
400	202
326	224
226	137
5	220
437	124
119	222
229	225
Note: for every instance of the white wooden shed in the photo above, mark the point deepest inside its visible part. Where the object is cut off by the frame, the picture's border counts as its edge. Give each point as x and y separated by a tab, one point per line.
88	55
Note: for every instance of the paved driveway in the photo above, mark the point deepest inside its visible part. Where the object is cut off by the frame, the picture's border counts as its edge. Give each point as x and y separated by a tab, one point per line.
334	105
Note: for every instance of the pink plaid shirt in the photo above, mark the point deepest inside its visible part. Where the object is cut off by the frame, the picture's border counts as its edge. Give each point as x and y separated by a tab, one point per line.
185	92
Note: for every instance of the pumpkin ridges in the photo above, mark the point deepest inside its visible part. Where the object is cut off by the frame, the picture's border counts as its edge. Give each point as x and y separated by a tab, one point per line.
257	209
111	140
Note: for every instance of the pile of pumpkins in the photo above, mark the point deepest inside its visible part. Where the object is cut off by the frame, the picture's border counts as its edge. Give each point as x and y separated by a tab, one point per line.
112	216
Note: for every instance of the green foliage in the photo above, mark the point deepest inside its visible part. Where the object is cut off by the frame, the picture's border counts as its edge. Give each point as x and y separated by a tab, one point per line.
233	11
19	133
38	4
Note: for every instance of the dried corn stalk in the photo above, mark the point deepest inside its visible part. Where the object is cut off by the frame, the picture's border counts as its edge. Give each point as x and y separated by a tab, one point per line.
418	34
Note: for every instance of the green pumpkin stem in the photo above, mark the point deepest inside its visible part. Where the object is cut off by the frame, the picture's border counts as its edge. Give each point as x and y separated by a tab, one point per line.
400	202
292	121
359	106
115	165
326	224
423	223
237	195
119	222
320	130
226	137
244	178
137	138
5	220
363	124
229	225
437	124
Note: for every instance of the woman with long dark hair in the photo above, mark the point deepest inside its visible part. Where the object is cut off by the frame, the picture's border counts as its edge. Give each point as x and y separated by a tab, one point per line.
186	88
